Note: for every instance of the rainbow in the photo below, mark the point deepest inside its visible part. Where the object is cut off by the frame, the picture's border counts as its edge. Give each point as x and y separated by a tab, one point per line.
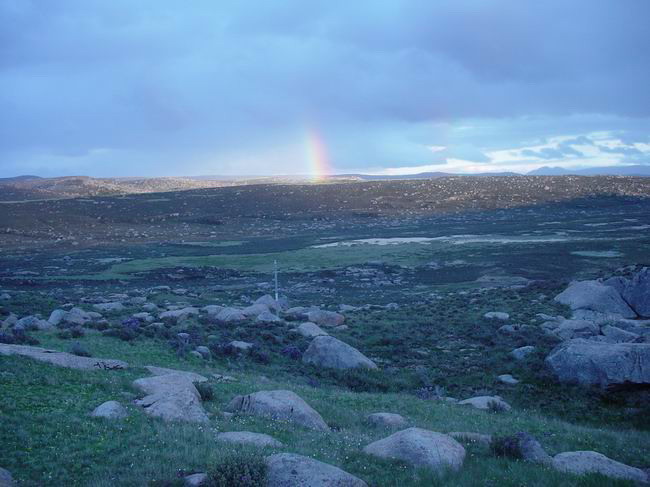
319	165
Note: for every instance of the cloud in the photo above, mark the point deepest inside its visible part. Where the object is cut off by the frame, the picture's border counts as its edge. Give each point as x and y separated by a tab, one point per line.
162	87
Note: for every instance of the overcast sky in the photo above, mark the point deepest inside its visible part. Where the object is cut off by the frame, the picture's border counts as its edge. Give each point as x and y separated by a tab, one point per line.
127	88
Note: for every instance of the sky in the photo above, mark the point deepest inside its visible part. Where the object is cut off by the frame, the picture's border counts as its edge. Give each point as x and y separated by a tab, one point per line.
243	87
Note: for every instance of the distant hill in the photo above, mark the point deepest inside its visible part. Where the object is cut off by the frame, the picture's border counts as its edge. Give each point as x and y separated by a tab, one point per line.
637	170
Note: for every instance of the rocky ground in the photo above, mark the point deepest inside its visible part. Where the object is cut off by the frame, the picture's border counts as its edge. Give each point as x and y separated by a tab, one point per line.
503	348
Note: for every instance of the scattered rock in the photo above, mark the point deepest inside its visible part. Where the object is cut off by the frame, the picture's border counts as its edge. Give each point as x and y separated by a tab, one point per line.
386	420
508	379
249	438
268	317
178	315
289	469
637	292
6	480
278	405
325	318
171	397
204	351
240	347
191	376
586	462
62	359
568	329
615	334
115	307
110	410
522	352
486	403
497	315
521	446
310	330
230	315
595	296
255	310
327	351
196	480
420	448
588	362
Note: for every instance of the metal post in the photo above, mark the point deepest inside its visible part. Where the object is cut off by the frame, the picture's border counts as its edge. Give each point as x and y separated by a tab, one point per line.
275	266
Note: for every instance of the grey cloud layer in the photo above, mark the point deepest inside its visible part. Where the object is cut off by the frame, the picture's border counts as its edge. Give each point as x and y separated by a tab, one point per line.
84	82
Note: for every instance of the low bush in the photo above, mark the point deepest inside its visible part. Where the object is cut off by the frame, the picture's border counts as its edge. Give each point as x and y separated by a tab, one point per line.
240	469
78	349
205	391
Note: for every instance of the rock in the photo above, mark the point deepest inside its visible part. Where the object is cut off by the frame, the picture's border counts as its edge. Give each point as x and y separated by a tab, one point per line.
278	405
240	347
204	351
386	420
522	352
523	446
33	323
619	283
587	462
191	376
57	316
110	410
420	448
114	307
77	316
618	335
196	480
470	437
327	351
268	317
212	309
508	379
143	317
178	315
196	354
497	315
637	292
289	469
268	301
6	480
297	313
255	310
171	397
595	296
569	329
310	330
62	359
230	315
588	362
249	438
486	403
325	318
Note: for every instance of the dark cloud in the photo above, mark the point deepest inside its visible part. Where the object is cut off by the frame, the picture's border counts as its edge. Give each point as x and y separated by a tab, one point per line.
166	87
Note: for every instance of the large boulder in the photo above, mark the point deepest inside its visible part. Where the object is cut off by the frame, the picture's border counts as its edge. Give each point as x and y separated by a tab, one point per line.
268	301
568	329
614	334
289	469
268	317
178	315
310	330
589	362
325	318
386	420
279	405
230	315
588	462
249	438
171	397
6	480
191	376
255	310
110	410
637	292
327	351
595	296
486	403
420	448
62	359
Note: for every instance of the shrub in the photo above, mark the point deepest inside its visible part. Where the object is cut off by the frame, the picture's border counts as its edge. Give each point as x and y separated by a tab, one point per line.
205	391
78	349
126	334
496	407
64	334
240	469
77	332
505	446
259	355
17	337
292	352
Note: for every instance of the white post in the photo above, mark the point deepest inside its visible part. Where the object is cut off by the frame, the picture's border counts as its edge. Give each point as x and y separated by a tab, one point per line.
275	265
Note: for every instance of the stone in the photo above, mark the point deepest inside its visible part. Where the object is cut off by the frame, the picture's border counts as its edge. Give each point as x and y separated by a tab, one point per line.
569	329
171	397
268	301
588	362
615	334
526	447
115	307
255	310
178	315
329	352
420	448
110	410
289	470
310	330
62	359
486	403
637	292
196	479
191	376
522	352
240	347
587	462
204	351
279	405
325	318
230	315
249	438
268	317
386	420
6	480
595	296
507	379
144	317
497	315
470	437
212	309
